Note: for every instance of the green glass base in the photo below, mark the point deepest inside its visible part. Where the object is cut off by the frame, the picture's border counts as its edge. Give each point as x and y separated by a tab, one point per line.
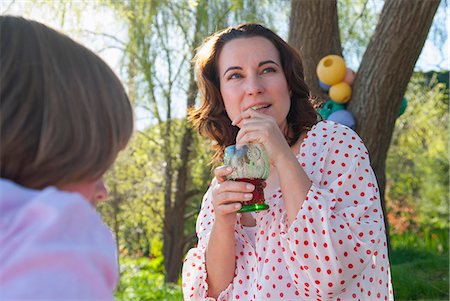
253	207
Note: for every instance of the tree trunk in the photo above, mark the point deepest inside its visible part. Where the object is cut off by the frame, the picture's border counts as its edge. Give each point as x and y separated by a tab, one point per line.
385	70
384	74
169	235
314	31
174	252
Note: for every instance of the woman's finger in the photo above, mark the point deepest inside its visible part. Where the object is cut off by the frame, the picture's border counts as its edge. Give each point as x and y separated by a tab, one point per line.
248	114
235	186
232	197
228	208
221	173
251	137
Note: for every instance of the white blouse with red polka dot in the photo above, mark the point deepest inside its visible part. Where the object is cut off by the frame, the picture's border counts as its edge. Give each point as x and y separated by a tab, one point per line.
334	250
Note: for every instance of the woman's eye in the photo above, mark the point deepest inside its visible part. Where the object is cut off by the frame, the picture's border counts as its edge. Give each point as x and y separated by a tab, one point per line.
268	70
234	76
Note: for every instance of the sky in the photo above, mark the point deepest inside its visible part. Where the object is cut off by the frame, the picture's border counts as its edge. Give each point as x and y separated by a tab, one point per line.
101	20
431	58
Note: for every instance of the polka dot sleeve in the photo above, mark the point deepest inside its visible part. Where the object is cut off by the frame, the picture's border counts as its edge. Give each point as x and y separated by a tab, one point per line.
339	229
194	275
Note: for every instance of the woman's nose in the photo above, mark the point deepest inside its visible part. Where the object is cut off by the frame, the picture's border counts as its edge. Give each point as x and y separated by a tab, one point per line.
101	192
254	86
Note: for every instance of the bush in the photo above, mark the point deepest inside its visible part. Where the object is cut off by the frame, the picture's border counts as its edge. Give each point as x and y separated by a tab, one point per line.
427	239
142	279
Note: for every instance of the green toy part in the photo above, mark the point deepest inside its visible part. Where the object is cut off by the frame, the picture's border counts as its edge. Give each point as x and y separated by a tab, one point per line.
403	107
330	107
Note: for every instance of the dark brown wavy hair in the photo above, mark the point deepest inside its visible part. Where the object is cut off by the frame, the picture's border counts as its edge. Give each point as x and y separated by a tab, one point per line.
212	120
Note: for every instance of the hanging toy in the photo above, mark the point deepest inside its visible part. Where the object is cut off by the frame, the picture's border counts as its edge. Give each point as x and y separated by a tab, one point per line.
330	107
324	87
341	92
336	79
349	76
331	69
403	107
343	117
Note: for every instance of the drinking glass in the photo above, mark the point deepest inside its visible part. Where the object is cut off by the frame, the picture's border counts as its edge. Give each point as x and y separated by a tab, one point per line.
250	164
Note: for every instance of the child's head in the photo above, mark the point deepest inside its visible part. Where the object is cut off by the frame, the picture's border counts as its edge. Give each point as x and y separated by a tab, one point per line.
64	113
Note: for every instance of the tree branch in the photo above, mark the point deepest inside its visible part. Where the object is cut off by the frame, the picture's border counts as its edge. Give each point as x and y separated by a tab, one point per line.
358	18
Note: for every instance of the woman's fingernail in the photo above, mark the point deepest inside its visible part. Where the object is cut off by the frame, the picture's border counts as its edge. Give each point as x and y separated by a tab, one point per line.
237	206
248	196
229	169
250	187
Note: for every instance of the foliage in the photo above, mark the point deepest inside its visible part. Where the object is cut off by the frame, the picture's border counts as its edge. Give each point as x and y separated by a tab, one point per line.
162	37
156	60
136	201
419	274
430	240
357	21
417	164
142	279
133	198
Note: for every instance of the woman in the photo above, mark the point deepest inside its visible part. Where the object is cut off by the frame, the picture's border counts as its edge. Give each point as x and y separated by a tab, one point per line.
64	117
323	236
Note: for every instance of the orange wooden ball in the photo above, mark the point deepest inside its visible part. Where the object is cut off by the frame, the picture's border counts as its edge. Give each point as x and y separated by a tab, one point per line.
331	69
340	93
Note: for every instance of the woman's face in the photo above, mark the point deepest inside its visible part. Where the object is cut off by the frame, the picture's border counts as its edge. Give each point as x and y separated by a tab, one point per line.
252	77
93	191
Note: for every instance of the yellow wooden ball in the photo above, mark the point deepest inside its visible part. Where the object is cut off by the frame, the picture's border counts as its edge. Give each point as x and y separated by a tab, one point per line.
331	69
340	93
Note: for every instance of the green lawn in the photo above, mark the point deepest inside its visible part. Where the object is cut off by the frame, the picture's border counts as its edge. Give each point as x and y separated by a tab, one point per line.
417	274
420	275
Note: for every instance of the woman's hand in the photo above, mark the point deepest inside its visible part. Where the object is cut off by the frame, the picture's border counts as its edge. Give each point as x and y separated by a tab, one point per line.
228	195
260	128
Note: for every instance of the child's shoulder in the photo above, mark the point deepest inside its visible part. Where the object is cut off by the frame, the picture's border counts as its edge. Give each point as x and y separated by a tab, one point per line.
49	213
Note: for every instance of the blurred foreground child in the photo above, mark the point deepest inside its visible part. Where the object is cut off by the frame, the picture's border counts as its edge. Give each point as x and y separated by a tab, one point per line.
64	116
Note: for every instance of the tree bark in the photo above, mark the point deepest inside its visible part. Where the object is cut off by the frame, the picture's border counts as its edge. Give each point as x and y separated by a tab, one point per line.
384	73
314	31
170	220
174	238
385	69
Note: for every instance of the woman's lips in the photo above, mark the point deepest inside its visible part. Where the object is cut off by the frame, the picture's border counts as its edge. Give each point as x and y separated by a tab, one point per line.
260	108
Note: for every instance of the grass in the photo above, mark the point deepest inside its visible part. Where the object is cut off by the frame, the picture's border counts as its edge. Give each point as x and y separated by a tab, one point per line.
143	280
420	274
417	274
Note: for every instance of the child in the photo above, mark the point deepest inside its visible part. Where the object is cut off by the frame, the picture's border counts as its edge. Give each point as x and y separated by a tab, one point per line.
64	117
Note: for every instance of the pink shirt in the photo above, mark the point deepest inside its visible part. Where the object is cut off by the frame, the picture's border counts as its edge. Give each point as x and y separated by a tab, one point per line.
334	250
54	246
